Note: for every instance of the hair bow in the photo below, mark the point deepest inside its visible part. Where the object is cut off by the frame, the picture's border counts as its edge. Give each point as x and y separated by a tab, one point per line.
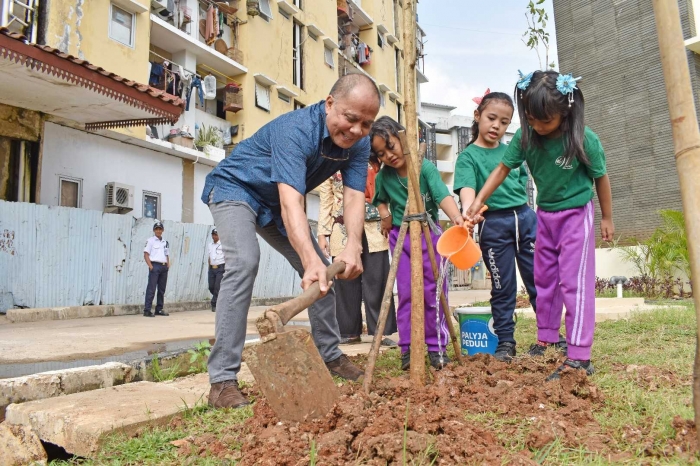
478	100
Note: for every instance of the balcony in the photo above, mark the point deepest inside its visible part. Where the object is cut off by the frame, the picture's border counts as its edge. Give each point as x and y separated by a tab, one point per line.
445	166
420	77
359	17
443	139
172	40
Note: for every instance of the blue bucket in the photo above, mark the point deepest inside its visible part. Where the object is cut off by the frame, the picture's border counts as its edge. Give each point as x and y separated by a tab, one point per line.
476	330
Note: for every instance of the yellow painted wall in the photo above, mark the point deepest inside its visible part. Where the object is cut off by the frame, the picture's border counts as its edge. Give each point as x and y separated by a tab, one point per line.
267	48
81	28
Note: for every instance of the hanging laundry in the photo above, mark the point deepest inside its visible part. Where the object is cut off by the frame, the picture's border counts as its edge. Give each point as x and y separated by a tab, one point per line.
362	53
217	27
209	31
196	84
222	21
156	74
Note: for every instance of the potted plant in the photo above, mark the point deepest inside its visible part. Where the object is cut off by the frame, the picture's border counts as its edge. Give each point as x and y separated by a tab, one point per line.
209	141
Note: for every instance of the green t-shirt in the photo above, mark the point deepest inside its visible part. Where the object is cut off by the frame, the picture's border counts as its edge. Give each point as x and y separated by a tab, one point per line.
475	164
391	189
559	187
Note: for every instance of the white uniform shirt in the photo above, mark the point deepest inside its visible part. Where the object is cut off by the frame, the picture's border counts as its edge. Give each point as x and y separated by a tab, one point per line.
216	253
157	249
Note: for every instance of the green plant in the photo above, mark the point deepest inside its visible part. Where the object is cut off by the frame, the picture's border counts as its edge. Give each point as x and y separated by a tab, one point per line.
199	356
312	454
664	255
535	33
208	136
160	374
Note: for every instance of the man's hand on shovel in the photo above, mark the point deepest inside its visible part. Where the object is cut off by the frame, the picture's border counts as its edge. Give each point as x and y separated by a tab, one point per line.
316	272
353	263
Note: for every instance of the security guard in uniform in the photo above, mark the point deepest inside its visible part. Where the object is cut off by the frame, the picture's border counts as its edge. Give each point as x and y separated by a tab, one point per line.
216	267
157	256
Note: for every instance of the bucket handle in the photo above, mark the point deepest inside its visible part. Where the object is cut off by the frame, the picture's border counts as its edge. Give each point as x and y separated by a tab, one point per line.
483	209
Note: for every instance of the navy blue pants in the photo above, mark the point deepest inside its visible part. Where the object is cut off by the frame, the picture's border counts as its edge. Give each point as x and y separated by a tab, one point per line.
215	276
157	278
508	236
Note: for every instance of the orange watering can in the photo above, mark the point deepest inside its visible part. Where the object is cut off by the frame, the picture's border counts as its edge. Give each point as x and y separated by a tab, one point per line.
458	246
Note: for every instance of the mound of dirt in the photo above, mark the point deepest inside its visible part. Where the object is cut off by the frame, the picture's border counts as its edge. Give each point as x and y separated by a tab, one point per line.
398	422
480	412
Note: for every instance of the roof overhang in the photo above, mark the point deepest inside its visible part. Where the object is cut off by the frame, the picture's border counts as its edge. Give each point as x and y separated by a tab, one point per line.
45	80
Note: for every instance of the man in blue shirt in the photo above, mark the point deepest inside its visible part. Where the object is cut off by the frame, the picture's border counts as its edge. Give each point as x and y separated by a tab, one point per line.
261	187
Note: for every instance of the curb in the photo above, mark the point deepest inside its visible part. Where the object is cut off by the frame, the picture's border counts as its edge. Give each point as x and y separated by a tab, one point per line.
112	310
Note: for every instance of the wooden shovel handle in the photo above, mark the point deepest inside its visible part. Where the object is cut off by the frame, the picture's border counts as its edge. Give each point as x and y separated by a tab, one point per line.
289	309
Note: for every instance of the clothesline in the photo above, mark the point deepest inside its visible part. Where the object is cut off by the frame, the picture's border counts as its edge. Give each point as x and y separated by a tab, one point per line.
169	60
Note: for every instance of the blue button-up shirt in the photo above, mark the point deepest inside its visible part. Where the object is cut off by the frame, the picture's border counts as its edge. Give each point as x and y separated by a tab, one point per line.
295	149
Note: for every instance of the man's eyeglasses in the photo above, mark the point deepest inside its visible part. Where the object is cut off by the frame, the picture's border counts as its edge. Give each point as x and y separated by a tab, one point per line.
345	155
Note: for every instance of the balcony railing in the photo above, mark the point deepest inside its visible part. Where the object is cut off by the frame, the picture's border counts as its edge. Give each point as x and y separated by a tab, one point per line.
20	16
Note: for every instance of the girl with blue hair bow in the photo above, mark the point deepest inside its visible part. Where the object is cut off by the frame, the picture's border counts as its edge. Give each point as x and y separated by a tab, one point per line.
565	159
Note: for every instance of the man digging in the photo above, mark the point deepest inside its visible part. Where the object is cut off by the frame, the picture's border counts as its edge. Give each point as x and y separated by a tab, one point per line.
261	188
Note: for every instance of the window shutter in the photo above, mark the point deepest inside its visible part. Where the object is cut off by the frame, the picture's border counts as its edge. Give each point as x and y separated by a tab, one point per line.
262	96
328	55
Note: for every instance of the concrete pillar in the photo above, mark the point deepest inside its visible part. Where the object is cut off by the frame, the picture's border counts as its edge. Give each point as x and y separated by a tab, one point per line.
187	191
189	61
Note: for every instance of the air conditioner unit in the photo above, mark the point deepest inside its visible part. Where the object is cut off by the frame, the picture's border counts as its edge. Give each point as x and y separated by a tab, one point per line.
120	198
159	5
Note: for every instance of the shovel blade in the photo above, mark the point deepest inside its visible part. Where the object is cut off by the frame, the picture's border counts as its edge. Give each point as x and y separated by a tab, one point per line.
292	376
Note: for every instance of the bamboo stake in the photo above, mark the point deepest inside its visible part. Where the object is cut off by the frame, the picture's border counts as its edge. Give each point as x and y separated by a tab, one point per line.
686	140
411	117
384	312
418	199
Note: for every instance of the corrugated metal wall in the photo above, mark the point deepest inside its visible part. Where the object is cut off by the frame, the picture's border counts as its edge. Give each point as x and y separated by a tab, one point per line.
59	256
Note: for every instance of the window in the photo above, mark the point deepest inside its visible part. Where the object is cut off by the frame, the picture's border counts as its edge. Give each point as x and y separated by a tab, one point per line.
297	55
284	14
397	54
382	99
312	35
298	4
121	26
265	10
70	191
284	97
328	55
262	96
298	105
398	112
380	39
151	204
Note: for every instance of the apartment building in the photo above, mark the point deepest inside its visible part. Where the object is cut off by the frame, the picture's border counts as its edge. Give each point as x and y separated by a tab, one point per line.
236	65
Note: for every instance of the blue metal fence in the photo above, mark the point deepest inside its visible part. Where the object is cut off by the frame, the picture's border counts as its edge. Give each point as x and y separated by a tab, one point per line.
59	256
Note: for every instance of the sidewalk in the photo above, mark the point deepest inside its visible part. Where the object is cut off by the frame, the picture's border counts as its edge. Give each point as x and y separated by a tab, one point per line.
102	339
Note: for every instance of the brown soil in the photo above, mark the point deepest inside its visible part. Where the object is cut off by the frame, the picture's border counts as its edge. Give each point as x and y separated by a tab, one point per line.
480	412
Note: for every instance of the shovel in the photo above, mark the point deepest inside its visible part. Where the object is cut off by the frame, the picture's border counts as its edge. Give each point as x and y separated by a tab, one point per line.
286	365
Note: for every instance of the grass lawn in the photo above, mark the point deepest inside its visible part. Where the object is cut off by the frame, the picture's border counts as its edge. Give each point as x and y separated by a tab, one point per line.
643	372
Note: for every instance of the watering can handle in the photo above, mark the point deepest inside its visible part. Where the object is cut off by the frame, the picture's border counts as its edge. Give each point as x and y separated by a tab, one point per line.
289	309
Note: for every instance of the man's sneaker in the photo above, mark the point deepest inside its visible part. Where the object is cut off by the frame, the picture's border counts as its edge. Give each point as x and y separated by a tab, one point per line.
162	313
574	364
505	351
389	343
213	309
226	394
356	340
406	361
343	368
436	361
148	314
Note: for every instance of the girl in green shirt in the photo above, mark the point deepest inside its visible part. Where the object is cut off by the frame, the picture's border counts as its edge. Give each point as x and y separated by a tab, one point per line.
507	234
566	160
391	191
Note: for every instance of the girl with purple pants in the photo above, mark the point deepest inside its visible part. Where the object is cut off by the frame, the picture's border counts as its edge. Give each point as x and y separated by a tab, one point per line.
391	190
566	159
